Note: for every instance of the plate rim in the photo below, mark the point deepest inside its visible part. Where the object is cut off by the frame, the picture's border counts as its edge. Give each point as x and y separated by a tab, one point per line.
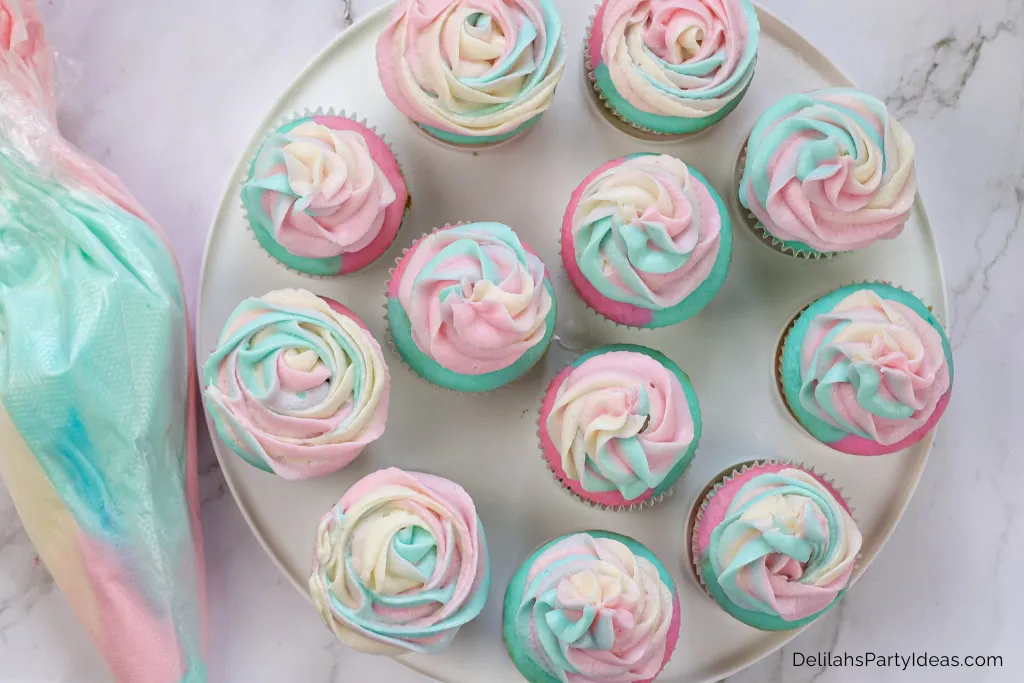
793	39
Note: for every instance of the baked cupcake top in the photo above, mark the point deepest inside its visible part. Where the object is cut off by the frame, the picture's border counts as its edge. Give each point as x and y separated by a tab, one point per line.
646	231
830	170
325	195
867	369
479	68
588	607
777	543
477	300
400	563
684	59
297	385
620	424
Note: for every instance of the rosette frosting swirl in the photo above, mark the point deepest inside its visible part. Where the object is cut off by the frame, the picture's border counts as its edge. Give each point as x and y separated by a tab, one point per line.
317	190
593	611
786	546
477	300
400	563
684	59
831	170
873	368
646	231
621	421
475	68
296	386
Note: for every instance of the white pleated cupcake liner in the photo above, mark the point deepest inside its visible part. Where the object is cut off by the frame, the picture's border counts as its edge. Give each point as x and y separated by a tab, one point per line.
285	120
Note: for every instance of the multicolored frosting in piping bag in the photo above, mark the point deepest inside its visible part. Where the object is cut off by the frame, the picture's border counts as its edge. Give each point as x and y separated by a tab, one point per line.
828	171
470	307
775	545
620	425
591	607
472	72
297	385
325	195
867	369
672	67
400	563
646	241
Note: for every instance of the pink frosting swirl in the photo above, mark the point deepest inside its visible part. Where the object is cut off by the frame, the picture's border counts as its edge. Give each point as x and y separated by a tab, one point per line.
400	563
592	611
831	169
874	368
322	190
620	422
476	298
645	231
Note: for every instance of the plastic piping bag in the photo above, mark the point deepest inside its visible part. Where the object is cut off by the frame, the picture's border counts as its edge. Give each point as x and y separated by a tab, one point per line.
97	396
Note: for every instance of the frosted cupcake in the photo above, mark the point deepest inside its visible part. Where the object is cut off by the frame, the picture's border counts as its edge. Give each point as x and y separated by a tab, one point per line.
325	195
827	171
672	67
400	564
589	607
472	73
866	370
297	385
774	545
620	425
470	307
646	241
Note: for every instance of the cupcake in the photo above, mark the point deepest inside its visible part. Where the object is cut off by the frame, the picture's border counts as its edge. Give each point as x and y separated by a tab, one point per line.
646	241
325	195
400	564
470	307
472	74
825	172
297	385
619	426
774	545
590	607
672	67
866	370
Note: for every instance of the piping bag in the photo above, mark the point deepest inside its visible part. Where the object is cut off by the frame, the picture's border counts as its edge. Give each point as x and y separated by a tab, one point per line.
97	393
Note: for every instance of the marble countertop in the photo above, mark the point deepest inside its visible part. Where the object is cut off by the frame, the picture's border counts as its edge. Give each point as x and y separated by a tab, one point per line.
172	101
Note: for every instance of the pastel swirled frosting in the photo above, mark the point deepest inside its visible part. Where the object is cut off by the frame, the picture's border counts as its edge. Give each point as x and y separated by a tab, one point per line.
470	307
591	607
867	369
400	563
673	66
775	546
325	195
472	71
646	241
620	425
829	171
297	385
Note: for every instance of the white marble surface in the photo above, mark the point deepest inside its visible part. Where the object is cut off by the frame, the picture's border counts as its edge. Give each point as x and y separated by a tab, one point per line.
167	94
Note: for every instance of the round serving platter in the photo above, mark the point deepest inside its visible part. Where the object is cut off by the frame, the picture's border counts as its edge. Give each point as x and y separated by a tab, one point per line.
488	443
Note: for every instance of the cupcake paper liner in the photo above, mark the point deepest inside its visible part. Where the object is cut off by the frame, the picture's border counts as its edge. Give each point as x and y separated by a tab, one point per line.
696	515
390	334
757	229
284	121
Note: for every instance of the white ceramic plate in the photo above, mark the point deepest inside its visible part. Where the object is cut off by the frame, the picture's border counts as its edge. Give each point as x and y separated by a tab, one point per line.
488	443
